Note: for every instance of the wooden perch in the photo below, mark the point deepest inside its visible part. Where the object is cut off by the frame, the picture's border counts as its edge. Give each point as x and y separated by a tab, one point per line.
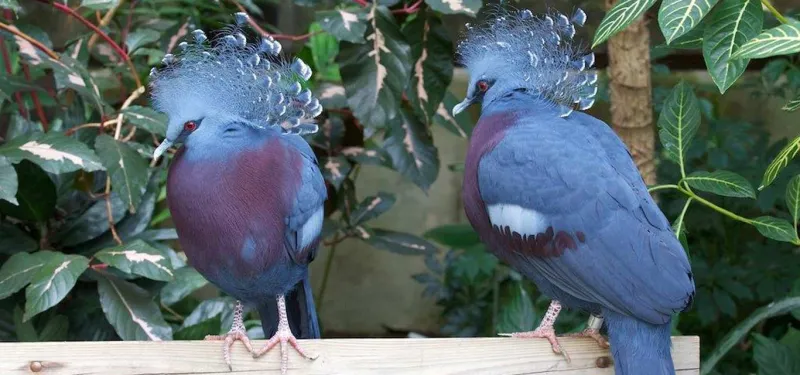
497	356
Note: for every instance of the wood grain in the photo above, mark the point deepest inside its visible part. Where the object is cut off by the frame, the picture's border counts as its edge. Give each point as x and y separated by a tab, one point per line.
495	356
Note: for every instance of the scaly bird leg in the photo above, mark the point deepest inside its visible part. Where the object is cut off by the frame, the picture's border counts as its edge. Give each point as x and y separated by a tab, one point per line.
237	332
283	335
593	330
545	329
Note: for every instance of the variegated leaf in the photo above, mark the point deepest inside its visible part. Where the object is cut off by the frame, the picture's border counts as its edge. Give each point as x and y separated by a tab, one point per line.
131	311
731	24
51	282
793	198
432	67
331	95
127	169
335	169
792	105
138	258
371	207
147	119
678	17
18	271
622	14
468	7
363	155
460	124
186	281
53	151
410	147
678	122
780	40
8	181
396	242
774	228
345	24
781	161
725	183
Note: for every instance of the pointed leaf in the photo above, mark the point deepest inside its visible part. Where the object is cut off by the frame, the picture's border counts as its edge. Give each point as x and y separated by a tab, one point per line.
678	122
432	62
138	258
456	236
18	271
127	169
99	4
331	95
460	124
410	146
518	313
678	17
221	307
781	40
147	119
396	242
324	49
468	7
622	14
91	223
365	155
724	183
200	330
10	84
774	228
36	194
781	161
793	104
376	72
335	169
141	37
8	181
347	25
13	240
773	357
793	198
51	283
131	310
731	25
54	152
186	281
691	40
330	134
371	207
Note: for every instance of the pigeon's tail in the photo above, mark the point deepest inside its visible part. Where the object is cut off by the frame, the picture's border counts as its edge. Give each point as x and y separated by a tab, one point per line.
639	347
299	309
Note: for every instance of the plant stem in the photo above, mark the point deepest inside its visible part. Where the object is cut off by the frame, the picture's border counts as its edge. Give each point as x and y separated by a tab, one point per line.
260	30
12	29
36	103
681	217
774	11
662	187
325	275
714	207
110	213
104	22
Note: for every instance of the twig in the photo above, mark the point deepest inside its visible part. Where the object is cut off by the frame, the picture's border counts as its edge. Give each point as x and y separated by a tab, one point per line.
260	30
12	29
36	103
104	22
134	95
363	3
130	134
774	11
173	312
110	213
414	8
326	273
70	131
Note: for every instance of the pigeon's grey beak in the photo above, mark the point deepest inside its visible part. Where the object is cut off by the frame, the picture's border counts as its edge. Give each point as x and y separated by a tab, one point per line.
162	148
460	107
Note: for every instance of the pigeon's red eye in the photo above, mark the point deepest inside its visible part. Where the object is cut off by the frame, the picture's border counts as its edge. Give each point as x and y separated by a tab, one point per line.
190	125
483	86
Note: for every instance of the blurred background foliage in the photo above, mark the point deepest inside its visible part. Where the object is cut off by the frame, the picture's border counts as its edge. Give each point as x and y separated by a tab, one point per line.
86	244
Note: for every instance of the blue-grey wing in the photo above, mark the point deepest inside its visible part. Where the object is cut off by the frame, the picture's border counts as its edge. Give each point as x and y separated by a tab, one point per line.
578	177
304	222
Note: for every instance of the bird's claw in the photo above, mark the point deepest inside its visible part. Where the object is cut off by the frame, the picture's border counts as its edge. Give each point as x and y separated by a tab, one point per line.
594	334
228	339
545	333
284	336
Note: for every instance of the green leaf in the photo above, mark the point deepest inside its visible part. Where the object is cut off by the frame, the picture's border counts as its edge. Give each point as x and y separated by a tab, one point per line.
141	37
36	194
221	307
678	17
127	169
68	73
371	207
793	104
99	4
14	240
774	228
474	261
11	4
375	73
468	7
396	242
731	25
736	335
324	49
724	183
91	223
331	95
54	152
56	329
678	122
518	314
25	330
345	24
460	124
773	357
335	169
780	40
131	311
147	119
724	302
51	282
8	181
200	330
138	258
781	161
619	17
410	146
18	271
362	155
10	84
456	236
793	198
186	281
432	62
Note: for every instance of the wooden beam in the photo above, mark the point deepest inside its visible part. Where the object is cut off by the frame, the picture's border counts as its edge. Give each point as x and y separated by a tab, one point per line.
496	356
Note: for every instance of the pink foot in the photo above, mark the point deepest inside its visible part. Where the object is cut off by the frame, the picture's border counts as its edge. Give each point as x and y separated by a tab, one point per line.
592	333
541	333
283	336
237	333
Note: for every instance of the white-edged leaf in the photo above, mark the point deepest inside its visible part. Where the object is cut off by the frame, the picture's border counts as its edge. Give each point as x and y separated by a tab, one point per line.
468	7
396	242
138	258
374	74
793	104
780	40
678	17
781	161
678	122
371	207
131	311
725	183
793	198
18	271
730	26
345	24
8	181
410	147
54	152
127	169
147	119
186	281
141	37
460	124
774	228
622	14
432	63
51	282
99	4
335	169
